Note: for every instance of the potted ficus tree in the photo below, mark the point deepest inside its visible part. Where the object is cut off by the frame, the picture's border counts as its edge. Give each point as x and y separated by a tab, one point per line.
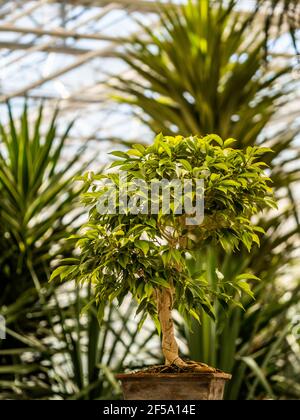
145	221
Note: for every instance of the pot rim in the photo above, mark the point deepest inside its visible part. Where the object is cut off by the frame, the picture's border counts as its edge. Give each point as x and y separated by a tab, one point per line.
185	375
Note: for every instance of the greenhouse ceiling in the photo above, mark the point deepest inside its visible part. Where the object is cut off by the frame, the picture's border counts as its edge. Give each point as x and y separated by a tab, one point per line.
64	52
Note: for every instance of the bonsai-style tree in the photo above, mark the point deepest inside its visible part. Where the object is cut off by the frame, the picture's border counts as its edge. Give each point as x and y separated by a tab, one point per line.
138	238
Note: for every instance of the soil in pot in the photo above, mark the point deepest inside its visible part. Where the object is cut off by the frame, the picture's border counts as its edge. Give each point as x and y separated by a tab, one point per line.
172	383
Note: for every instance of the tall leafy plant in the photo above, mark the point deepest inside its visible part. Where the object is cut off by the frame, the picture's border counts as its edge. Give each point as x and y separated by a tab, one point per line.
204	70
141	244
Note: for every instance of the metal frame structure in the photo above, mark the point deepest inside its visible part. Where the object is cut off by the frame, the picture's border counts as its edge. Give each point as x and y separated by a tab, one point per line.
65	50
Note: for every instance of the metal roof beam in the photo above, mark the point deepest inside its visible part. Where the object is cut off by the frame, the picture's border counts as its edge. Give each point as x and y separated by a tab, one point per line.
52	43
77	63
59	33
75	99
64	49
52	49
28	11
138	5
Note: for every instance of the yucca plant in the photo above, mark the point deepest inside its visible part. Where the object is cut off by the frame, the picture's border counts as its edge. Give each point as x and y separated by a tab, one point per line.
38	203
204	71
70	356
36	197
50	350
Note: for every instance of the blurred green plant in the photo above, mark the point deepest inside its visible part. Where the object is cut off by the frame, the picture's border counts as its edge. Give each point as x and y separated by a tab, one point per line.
70	356
50	351
203	70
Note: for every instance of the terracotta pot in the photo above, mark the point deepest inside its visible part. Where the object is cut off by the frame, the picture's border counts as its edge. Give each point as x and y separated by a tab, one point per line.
173	386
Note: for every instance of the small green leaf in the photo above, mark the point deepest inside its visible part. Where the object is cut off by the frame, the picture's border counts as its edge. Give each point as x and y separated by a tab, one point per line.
263	150
166	148
209	310
259	229
143	245
58	272
176	254
157	324
228	142
271	203
216	138
195	315
245	287
140	148
247	276
134	152
160	282
119	154
230	183
186	165
221	166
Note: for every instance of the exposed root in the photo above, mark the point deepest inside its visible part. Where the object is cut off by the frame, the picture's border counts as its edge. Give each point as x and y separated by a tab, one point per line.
189	367
192	366
169	343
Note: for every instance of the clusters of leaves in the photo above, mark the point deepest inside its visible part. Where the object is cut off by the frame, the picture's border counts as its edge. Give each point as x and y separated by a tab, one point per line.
124	253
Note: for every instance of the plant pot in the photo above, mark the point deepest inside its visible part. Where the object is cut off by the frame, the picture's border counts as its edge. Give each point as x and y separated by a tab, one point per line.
173	386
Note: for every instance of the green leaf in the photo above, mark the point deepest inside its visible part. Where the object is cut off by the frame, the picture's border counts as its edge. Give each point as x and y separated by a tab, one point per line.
221	166
216	138
134	152
245	287
119	154
247	276
157	324
140	148
263	150
195	315
160	281
259	229
186	165
143	245
229	142
58	272
230	183
271	203
142	306
176	254
166	148
209	310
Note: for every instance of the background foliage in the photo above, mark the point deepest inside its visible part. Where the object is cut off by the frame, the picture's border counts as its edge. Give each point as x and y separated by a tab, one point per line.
50	350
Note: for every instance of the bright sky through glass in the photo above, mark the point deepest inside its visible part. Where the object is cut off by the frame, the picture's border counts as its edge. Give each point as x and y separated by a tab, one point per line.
81	91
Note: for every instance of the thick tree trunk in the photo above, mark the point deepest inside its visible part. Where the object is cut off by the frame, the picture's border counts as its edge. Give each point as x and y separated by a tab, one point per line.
169	343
